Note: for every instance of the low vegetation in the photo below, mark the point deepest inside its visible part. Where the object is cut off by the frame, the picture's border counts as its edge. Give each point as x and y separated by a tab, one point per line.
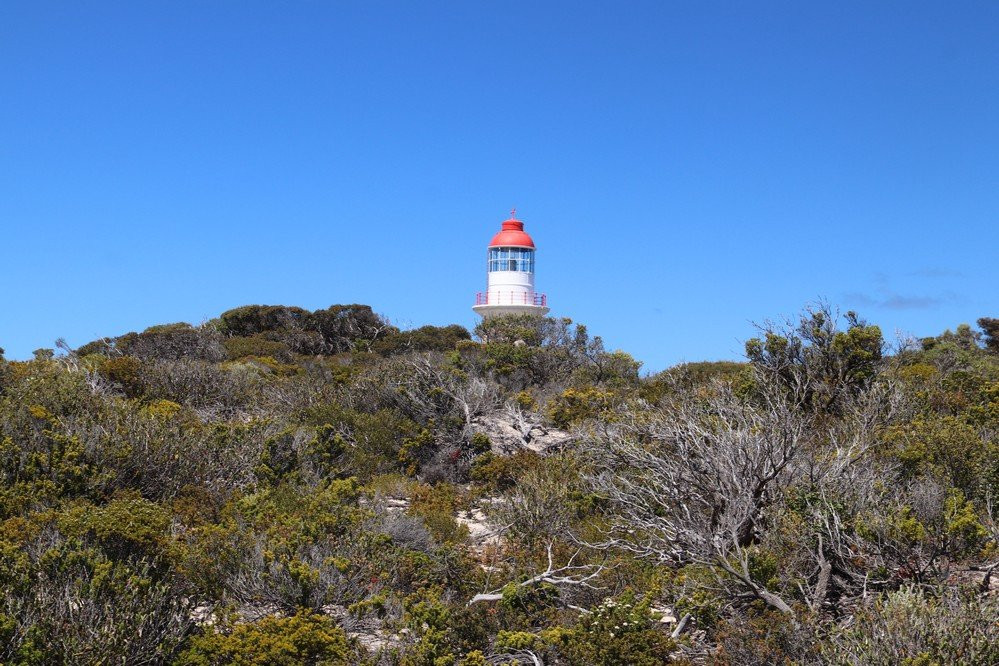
280	486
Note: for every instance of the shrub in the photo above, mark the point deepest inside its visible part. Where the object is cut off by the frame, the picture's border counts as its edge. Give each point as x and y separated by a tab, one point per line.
173	342
304	638
618	633
125	372
251	320
423	339
914	628
75	605
437	506
577	405
256	345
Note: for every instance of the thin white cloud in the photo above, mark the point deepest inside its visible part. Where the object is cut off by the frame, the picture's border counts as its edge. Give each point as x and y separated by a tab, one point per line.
889	300
936	272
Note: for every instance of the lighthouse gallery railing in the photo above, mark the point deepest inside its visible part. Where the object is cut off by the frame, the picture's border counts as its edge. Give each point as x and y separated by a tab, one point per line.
511	298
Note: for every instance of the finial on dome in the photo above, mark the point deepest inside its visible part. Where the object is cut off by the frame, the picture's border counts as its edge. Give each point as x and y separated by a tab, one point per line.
513	213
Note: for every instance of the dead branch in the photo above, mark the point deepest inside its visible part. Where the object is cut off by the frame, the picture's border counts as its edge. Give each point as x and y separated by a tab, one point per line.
567	575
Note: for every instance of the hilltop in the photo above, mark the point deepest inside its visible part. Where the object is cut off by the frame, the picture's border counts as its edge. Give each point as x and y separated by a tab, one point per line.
285	486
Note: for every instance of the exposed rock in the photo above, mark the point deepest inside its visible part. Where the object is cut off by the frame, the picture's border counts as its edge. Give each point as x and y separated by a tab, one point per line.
480	530
203	615
666	613
396	504
984	580
252	612
511	430
375	641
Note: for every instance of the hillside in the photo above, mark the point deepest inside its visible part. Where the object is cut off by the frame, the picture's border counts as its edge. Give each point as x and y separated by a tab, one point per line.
284	486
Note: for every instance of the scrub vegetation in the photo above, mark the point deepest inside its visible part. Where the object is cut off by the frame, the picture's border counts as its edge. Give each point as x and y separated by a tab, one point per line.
281	486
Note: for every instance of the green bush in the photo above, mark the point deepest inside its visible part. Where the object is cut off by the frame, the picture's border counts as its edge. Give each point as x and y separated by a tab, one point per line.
242	346
916	629
622	632
423	339
304	638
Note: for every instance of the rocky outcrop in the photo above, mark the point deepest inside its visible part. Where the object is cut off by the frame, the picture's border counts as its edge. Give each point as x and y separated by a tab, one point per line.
510	430
481	531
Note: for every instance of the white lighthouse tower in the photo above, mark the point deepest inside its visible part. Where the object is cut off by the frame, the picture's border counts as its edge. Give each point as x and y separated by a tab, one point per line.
510	274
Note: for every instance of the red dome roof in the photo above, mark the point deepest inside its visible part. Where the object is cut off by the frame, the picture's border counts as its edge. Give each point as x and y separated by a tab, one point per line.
512	234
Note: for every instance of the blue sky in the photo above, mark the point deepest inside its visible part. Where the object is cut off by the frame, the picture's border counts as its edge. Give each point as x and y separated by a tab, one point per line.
685	168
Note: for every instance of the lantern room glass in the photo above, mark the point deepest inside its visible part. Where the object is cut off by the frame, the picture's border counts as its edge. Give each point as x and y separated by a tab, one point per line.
511	259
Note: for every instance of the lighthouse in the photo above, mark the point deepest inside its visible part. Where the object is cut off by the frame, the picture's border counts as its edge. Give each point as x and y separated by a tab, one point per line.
510	274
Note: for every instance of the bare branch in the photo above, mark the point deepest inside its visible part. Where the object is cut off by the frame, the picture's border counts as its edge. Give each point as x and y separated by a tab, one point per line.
567	575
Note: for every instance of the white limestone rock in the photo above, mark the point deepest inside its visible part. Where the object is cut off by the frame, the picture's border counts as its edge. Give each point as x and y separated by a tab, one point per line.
511	430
